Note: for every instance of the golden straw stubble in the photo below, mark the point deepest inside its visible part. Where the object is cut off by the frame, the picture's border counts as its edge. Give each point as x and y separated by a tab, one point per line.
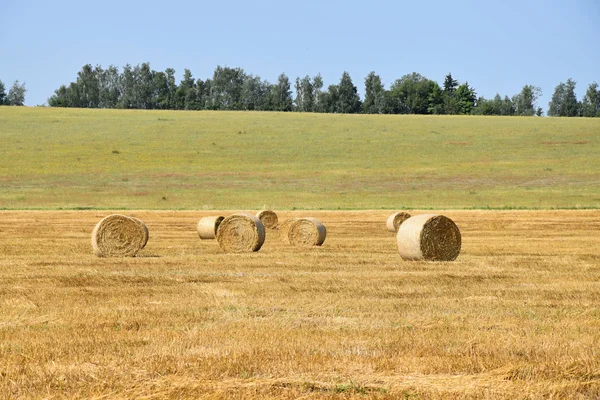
306	232
268	218
208	226
239	233
395	220
117	236
429	237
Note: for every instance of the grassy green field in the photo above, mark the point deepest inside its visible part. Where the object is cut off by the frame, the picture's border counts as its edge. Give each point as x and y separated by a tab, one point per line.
119	159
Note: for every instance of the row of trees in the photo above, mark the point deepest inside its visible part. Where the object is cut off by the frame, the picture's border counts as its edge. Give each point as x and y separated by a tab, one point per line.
15	96
140	87
233	89
564	101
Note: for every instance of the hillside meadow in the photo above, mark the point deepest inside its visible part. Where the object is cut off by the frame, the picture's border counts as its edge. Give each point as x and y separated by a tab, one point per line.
131	159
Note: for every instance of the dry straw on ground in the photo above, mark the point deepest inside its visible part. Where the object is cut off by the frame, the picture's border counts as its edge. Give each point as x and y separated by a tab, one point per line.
208	226
306	232
118	236
144	229
242	232
429	237
268	218
395	220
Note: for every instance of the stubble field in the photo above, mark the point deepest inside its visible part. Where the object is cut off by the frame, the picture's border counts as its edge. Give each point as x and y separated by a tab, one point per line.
515	316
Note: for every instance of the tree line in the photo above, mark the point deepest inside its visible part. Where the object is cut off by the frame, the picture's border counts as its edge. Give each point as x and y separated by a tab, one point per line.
15	96
141	87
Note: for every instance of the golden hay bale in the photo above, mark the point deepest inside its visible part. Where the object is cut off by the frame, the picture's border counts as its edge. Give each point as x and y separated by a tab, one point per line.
268	218
284	228
306	232
117	236
429	237
208	226
395	220
144	229
241	232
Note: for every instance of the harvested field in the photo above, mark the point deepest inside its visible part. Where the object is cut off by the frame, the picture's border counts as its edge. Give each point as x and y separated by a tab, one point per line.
516	315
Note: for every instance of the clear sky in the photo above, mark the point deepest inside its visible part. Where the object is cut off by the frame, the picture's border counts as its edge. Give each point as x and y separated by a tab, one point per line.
496	46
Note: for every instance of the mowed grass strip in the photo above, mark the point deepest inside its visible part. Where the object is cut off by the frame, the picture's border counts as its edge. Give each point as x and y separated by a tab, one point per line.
126	159
515	316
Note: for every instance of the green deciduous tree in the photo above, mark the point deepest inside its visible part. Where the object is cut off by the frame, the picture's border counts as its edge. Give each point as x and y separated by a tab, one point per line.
508	107
109	81
410	94
525	101
281	94
226	89
374	95
88	87
16	94
256	93
144	86
317	87
590	106
328	100
564	101
348	101
186	95
2	93
305	94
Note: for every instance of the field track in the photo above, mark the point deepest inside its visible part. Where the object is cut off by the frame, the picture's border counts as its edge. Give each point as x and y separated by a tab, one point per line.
517	315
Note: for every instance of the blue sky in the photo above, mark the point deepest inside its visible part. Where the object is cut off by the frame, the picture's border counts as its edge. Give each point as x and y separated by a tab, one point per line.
495	46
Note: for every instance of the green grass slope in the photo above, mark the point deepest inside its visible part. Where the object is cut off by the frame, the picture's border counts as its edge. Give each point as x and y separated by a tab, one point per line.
71	158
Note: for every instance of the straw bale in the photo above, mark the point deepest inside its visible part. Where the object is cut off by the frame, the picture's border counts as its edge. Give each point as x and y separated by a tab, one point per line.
284	228
268	218
208	226
144	229
306	232
395	220
242	232
429	237
117	236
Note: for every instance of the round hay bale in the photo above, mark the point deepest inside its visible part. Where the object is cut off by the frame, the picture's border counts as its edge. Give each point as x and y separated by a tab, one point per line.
144	229
306	232
117	236
284	228
242	232
208	226
429	237
268	218
395	220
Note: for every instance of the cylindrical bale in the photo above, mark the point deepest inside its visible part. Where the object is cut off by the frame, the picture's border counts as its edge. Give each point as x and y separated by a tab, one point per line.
208	226
284	229
117	236
242	232
395	220
268	218
144	229
307	232
429	237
